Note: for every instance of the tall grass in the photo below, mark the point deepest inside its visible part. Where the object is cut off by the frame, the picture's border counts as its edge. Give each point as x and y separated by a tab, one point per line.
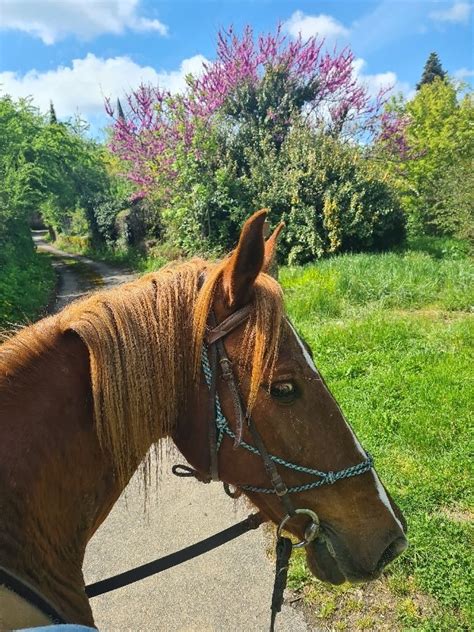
355	284
392	334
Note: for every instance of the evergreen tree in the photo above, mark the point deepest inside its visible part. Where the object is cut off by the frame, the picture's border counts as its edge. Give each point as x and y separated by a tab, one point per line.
120	113
432	69
52	114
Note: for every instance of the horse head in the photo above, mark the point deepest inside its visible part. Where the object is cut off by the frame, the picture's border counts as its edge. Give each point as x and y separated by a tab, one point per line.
349	523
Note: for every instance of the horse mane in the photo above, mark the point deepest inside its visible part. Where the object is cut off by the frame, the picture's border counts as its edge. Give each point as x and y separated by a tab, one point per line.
134	333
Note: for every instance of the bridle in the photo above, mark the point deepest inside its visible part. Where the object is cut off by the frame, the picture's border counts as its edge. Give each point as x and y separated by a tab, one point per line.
214	355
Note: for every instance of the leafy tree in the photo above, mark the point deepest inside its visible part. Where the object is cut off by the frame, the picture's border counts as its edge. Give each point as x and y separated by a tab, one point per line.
48	167
21	193
431	71
439	123
21	188
261	82
207	157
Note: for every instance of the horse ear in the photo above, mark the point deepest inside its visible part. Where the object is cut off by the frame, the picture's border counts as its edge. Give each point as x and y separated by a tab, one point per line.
270	251
245	263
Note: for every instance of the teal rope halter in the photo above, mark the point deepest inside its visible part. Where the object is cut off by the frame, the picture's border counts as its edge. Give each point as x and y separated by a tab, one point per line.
325	478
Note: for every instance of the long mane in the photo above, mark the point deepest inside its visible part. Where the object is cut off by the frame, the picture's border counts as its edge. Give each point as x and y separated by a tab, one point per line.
144	340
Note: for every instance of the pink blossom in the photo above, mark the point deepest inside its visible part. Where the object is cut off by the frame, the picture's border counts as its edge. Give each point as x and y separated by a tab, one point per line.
158	126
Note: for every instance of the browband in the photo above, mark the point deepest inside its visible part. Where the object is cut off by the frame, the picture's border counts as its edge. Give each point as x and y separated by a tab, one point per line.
228	324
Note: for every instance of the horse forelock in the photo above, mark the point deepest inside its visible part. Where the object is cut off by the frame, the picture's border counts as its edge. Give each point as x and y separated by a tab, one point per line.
144	340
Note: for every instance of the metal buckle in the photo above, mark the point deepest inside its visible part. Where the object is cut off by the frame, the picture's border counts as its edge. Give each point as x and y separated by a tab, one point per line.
311	531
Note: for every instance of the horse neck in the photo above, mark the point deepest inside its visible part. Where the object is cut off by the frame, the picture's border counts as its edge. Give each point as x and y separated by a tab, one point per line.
56	483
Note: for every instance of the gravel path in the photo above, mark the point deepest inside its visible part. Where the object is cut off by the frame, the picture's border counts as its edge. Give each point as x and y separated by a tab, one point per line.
226	590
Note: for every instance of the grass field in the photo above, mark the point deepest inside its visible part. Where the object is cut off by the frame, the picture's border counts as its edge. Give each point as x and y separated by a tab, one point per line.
392	335
26	287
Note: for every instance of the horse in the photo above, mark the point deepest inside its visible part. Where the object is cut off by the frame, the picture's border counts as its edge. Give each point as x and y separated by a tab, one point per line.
88	394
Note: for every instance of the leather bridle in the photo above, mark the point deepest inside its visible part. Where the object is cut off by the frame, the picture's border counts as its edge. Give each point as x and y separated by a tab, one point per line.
214	355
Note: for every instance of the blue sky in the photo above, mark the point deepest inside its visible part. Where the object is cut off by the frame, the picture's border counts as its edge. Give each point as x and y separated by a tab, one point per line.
75	52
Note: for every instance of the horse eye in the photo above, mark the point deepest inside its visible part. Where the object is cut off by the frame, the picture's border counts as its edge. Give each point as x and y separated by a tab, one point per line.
283	391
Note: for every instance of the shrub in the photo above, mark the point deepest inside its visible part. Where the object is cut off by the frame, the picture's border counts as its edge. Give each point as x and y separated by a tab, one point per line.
271	122
331	199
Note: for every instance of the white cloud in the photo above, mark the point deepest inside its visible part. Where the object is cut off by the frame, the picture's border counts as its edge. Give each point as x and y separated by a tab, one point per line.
458	13
52	20
381	80
463	73
310	25
83	85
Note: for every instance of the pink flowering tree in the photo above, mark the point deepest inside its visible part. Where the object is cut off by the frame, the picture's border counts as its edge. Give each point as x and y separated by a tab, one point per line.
265	81
209	155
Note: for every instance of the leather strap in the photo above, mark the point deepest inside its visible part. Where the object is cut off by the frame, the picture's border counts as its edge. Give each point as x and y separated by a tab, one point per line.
146	570
213	466
228	324
228	375
278	483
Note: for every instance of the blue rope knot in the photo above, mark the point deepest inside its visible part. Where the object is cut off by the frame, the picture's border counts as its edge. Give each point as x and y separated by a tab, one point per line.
330	478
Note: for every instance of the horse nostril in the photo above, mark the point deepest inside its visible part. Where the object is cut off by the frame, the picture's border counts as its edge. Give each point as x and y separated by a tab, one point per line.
393	550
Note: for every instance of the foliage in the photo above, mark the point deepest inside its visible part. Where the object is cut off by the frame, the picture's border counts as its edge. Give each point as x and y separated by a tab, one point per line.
329	196
336	200
228	145
48	167
21	185
436	193
265	80
454	208
392	336
26	281
432	70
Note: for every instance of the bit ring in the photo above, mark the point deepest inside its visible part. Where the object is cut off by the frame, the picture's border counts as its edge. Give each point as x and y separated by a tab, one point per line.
311	531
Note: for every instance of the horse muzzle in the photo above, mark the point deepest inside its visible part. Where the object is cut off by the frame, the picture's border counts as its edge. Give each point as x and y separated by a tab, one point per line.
330	560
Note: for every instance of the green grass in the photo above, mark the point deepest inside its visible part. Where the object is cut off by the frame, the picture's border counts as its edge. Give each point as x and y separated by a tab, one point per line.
130	258
26	287
392	335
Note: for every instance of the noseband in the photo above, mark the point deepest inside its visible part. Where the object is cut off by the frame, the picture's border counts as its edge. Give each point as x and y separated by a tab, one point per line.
214	355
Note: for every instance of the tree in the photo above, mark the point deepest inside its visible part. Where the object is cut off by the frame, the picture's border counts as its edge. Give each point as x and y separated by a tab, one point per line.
230	143
431	70
260	83
49	168
52	114
120	113
433	173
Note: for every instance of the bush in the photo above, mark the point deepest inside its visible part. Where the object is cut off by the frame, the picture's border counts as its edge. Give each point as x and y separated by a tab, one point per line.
336	201
27	279
331	199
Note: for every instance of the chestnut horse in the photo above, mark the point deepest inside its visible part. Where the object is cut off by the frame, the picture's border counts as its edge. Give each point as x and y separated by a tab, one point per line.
86	393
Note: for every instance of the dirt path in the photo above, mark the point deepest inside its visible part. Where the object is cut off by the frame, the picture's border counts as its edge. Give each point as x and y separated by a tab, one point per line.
227	590
78	275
